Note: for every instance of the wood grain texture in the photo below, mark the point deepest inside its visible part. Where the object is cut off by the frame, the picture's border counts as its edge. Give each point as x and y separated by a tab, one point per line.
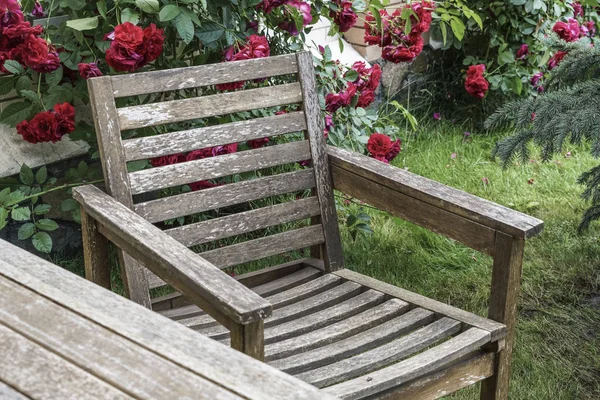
337	331
8	393
169	112
497	330
382	356
39	373
208	287
411	368
249	339
473	234
504	296
466	205
204	75
108	134
231	369
106	355
95	255
210	136
224	196
267	246
356	344
151	179
332	248
440	384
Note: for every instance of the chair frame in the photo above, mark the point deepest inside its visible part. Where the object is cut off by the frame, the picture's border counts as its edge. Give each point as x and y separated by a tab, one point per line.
477	223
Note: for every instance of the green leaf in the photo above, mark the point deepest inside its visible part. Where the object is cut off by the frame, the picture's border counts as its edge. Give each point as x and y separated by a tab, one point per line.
458	28
185	28
209	32
15	113
101	6
351	75
7	84
23	83
69	205
30	95
42	242
506	57
83	24
26	231
46	224
26	175
148	6
518	84
168	12
14	67
130	15
444	30
21	214
54	77
3	217
41	175
41	209
365	228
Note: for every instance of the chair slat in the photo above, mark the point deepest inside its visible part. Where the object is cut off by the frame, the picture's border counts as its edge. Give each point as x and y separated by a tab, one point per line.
244	222
168	112
414	367
265	247
152	179
210	136
224	196
205	75
381	356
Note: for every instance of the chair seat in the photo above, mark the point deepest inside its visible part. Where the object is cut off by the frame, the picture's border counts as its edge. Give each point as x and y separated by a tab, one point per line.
356	340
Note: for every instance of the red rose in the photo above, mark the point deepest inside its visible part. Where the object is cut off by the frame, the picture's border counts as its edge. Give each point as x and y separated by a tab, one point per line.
333	102
568	32
422	22
51	63
153	42
476	70
289	24
65	118
44	127
372	35
227	149
128	35
556	59
379	145
167	160
256	47
230	86
31	52
577	9
374	77
366	98
90	70
269	5
10	13
258	143
121	58
394	150
199	154
522	52
19	32
348	94
201	185
344	17
3	57
475	84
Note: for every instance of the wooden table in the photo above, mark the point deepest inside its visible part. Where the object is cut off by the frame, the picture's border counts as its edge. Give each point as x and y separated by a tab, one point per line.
62	337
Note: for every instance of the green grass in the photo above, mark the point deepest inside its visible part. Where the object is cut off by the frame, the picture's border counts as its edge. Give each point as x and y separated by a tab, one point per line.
557	353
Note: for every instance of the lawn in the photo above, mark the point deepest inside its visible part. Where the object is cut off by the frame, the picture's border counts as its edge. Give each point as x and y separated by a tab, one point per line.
557	355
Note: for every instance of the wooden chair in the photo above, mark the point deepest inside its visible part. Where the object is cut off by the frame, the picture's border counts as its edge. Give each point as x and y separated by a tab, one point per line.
352	335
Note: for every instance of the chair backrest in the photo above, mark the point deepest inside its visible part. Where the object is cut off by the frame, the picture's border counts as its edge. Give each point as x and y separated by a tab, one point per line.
173	115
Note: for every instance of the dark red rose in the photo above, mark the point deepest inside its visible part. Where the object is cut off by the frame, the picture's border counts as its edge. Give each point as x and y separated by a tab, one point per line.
522	52
19	32
227	149
256	47
475	84
121	58
65	118
90	70
230	86
199	154
3	57
394	150
38	10
591	27
374	77
366	98
328	122
344	17
577	9
26	131
360	67
201	185
397	54
374	36
348	94
379	145
567	31
33	51
258	143
556	59
269	5
51	63
10	13
45	128
333	102
129	35
153	42
167	160
289	24
422	22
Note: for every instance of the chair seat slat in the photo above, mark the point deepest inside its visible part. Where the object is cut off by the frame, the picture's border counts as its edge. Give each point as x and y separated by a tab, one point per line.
151	179
224	196
210	136
169	112
205	75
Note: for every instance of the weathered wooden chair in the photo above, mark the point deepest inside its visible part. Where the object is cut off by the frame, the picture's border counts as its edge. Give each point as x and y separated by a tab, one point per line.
352	335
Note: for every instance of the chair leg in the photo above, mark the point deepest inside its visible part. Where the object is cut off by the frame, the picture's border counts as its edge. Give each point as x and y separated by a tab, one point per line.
506	282
250	339
95	252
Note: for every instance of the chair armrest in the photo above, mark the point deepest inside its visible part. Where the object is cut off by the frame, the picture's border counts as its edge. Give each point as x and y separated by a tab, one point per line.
204	284
449	211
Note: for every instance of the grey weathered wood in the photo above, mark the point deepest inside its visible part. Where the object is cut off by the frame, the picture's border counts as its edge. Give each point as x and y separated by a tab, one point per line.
267	246
473	234
414	367
224	196
285	282
379	357
108	134
35	372
245	222
210	136
440	384
332	248
152	179
504	295
356	344
466	205
204	75
8	393
202	356
95	257
337	331
496	329
249	339
169	112
95	349
217	293
325	317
